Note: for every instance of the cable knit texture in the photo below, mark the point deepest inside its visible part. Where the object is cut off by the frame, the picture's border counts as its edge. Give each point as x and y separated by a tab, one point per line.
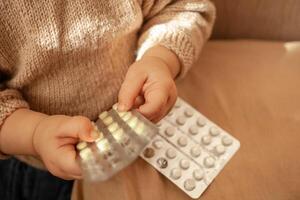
70	57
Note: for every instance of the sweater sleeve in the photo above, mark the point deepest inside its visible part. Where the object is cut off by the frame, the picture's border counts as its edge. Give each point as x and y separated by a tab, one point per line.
182	26
10	100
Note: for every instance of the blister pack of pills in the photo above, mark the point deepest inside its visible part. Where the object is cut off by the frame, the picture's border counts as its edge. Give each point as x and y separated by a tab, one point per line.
122	137
189	150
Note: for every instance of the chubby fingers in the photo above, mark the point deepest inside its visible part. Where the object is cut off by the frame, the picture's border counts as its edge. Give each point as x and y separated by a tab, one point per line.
131	88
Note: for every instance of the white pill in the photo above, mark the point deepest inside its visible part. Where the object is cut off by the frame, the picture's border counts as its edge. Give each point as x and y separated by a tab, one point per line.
170	113
170	131
132	123
176	173
209	162
103	145
103	115
171	153
113	127
193	130
206	139
184	164
196	151
86	154
181	120
188	112
189	184
118	134
198	174
214	131
220	149
127	116
227	141
158	144
81	145
140	128
201	122
182	141
108	120
177	104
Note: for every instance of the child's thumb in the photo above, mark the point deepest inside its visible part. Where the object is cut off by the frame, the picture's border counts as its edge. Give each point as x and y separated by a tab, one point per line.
80	127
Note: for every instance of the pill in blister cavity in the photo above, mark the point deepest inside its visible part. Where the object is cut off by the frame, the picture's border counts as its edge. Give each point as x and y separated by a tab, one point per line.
181	120
162	163
189	184
171	153
103	115
214	131
118	134
201	122
188	112
220	149
158	144
113	127
86	154
108	120
206	139
196	151
227	141
103	145
184	164
81	145
182	141
127	116
198	174
170	113
209	162
139	129
170	131
175	173
177	104
149	152
193	130
132	123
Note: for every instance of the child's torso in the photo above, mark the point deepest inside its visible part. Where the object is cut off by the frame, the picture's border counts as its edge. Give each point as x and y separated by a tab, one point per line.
68	57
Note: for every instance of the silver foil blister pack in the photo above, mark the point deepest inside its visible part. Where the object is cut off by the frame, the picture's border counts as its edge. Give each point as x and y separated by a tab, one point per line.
122	137
190	150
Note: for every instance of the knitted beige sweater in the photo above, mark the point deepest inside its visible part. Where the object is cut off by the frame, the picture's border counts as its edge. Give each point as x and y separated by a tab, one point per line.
70	57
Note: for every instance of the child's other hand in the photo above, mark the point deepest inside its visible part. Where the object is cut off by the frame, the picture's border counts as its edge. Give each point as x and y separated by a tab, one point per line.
54	141
148	86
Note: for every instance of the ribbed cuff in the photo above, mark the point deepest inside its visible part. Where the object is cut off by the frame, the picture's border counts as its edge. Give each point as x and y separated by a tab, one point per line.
10	101
177	41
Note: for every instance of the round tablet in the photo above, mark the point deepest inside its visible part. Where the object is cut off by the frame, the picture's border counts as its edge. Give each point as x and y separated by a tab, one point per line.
108	120
189	184
81	145
214	131
193	130
198	174
184	164
177	104
220	149
171	153
181	120
188	112
227	141
170	131
182	141
149	152
201	122
162	163
176	173
103	115
113	127
206	139
196	151
158	144
209	162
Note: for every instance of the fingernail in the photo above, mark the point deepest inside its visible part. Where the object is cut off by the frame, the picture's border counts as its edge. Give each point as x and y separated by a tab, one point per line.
121	107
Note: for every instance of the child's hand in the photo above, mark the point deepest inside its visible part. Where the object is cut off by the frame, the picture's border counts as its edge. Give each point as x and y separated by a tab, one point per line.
148	85
54	141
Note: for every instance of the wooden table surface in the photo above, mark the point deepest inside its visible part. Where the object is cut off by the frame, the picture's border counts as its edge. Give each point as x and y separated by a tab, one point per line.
252	90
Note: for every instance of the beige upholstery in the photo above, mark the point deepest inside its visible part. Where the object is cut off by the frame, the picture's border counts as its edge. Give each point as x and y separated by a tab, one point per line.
251	89
260	19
